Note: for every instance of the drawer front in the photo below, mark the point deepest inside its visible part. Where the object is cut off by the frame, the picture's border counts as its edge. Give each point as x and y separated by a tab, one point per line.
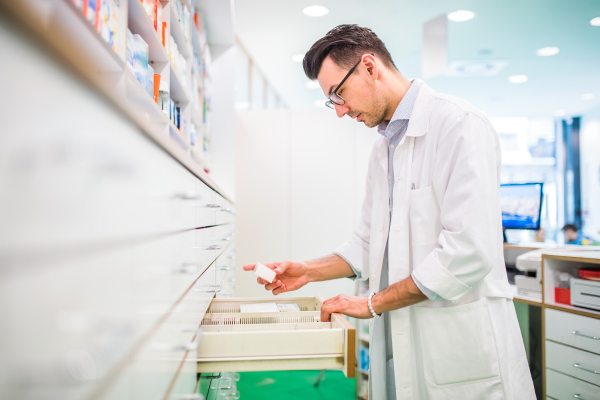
585	293
577	363
226	212
69	325
168	267
563	387
102	183
185	386
274	341
573	330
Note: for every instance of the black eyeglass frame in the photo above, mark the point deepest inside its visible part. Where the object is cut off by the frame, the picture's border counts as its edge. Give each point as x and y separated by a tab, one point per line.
329	103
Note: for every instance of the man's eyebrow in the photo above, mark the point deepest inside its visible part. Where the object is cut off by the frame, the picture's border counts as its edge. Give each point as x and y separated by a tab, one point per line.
331	89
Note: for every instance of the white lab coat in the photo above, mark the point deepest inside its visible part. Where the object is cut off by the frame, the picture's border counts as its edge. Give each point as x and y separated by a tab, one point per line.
446	227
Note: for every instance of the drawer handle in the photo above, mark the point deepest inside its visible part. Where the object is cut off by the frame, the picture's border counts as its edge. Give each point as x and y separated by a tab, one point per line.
187	346
186	396
208	288
576	365
187	195
186	269
213	247
228	210
208	205
217	384
578	396
225	239
576	333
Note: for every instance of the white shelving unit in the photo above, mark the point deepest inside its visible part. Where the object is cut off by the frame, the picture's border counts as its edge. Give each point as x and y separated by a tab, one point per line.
113	250
69	33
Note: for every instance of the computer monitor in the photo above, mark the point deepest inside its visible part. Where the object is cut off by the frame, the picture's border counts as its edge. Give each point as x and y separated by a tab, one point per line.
521	205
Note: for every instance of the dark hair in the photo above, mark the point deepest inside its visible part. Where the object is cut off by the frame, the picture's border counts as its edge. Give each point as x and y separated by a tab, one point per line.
570	227
345	44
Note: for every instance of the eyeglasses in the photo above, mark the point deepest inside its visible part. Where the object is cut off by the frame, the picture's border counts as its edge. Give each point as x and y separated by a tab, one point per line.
334	97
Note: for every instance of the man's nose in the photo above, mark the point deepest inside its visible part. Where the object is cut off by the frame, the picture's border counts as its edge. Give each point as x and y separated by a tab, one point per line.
341	110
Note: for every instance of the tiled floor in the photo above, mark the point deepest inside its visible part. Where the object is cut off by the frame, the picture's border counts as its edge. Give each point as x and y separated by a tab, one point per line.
295	385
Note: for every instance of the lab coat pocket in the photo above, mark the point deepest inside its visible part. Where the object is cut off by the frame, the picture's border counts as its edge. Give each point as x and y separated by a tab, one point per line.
425	225
458	347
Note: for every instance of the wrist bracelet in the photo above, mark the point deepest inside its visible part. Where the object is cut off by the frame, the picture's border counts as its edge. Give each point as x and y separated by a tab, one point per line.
371	307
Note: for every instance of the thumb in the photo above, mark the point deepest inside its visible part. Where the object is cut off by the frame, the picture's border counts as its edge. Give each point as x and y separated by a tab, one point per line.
280	268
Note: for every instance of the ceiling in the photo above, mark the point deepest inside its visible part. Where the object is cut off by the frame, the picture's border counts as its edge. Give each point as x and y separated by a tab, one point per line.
509	30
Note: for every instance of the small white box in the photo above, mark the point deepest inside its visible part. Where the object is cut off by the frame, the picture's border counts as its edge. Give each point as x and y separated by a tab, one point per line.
585	293
264	272
259	308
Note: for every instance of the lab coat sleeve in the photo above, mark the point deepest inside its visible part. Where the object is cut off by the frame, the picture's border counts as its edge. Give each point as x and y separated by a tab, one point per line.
356	250
466	186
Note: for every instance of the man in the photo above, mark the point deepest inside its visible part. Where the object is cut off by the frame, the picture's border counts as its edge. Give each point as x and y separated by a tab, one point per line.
572	236
443	325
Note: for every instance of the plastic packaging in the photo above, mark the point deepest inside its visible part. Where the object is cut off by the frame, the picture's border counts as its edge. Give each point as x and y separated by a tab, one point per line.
140	59
149	81
164	97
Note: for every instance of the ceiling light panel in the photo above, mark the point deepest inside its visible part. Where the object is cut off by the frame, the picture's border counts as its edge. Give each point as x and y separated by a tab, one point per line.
320	103
595	21
548	51
461	15
315	11
588	96
517	78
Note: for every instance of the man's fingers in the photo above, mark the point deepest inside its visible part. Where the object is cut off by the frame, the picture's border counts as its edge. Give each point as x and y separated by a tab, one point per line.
261	281
249	267
273	285
279	290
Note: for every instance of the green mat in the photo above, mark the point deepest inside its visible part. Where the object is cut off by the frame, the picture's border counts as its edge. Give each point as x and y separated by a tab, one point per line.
292	385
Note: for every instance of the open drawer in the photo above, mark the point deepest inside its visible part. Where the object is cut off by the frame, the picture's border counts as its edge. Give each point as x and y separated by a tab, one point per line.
232	341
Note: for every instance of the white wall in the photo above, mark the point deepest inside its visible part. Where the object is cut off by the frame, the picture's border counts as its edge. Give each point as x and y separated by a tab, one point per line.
300	179
222	156
590	172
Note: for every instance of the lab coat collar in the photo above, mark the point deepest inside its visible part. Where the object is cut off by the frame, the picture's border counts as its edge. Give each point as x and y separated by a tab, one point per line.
418	125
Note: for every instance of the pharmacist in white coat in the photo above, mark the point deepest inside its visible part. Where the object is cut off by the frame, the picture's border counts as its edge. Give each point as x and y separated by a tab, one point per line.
443	324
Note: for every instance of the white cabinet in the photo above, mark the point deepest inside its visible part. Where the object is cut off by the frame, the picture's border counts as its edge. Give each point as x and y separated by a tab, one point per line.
563	387
573	330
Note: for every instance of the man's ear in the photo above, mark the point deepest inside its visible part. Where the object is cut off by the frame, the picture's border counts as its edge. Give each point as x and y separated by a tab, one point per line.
372	67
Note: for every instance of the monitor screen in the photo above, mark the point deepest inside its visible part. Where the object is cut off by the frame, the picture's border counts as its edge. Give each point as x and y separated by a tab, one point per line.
521	205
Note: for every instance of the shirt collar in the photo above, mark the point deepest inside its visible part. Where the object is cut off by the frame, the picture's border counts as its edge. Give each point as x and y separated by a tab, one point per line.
403	111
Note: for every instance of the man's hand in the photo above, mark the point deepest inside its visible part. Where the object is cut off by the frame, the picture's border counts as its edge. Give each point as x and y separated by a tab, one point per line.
351	306
290	276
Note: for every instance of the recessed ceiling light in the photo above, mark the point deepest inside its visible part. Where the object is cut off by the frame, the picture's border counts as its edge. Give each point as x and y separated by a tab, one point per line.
312	85
548	51
461	15
298	58
320	103
595	21
588	96
517	79
315	11
559	113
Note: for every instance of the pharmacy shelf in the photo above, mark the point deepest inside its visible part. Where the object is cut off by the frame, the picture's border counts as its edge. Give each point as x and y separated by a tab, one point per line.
177	32
62	28
137	95
81	37
140	23
196	46
179	93
178	136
